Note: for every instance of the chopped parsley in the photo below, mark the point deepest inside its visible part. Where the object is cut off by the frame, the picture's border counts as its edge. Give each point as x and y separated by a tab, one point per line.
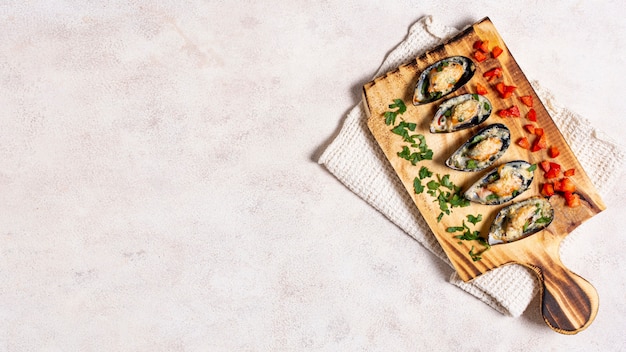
390	116
468	234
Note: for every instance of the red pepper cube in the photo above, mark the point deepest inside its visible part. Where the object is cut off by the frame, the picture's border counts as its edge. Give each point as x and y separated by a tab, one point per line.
479	56
553	152
527	100
496	51
547	189
572	199
524	143
480	89
567	185
532	115
569	172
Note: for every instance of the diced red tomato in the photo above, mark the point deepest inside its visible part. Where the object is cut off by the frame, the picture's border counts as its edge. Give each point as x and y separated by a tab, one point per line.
569	172
504	113
504	90
482	45
524	143
553	173
480	56
547	189
480	89
539	131
558	186
539	143
500	88
553	152
514	111
527	100
532	115
571	199
493	73
545	165
530	128
567	185
496	51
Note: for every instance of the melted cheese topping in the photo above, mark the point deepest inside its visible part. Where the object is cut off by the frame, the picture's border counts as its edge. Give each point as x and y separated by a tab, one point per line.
485	149
440	81
507	183
464	111
517	219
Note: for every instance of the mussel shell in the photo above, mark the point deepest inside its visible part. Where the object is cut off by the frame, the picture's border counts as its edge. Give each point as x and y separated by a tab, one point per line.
521	219
462	159
443	119
501	179
421	95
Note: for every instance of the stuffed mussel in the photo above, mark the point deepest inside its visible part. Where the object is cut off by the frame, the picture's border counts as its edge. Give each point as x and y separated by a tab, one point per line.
482	150
502	184
521	219
460	112
442	78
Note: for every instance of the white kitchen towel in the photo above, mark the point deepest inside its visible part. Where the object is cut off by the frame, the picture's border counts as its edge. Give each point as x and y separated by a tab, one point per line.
357	161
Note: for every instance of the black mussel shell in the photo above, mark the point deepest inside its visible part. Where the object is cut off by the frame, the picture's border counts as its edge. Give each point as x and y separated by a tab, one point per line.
482	150
502	184
521	219
442	78
461	112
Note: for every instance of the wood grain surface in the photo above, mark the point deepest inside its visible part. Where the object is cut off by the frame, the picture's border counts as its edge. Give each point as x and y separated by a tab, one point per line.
569	303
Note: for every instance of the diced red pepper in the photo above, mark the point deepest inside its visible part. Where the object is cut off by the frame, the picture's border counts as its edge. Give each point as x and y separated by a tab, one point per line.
480	56
514	111
482	45
504	90
572	199
545	165
524	143
496	51
553	152
500	88
530	128
558	186
504	113
480	89
527	100
539	143
569	172
493	73
567	185
532	115
539	131
547	189
554	171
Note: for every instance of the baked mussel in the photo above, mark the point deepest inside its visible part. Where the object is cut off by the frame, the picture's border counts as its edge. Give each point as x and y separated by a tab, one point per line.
460	112
502	184
482	150
442	78
521	219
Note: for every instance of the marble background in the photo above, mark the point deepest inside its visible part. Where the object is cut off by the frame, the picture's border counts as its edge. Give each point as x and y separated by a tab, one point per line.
159	185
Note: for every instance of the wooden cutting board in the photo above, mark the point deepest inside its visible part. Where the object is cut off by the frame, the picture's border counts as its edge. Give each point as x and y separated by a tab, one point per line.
569	303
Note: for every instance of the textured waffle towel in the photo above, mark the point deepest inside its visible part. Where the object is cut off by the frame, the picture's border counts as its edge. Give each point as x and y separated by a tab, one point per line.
508	289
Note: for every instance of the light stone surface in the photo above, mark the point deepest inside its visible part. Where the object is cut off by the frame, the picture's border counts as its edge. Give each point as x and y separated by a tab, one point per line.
159	185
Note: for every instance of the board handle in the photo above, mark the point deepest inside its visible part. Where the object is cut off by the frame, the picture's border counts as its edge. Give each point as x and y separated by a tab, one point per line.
569	303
